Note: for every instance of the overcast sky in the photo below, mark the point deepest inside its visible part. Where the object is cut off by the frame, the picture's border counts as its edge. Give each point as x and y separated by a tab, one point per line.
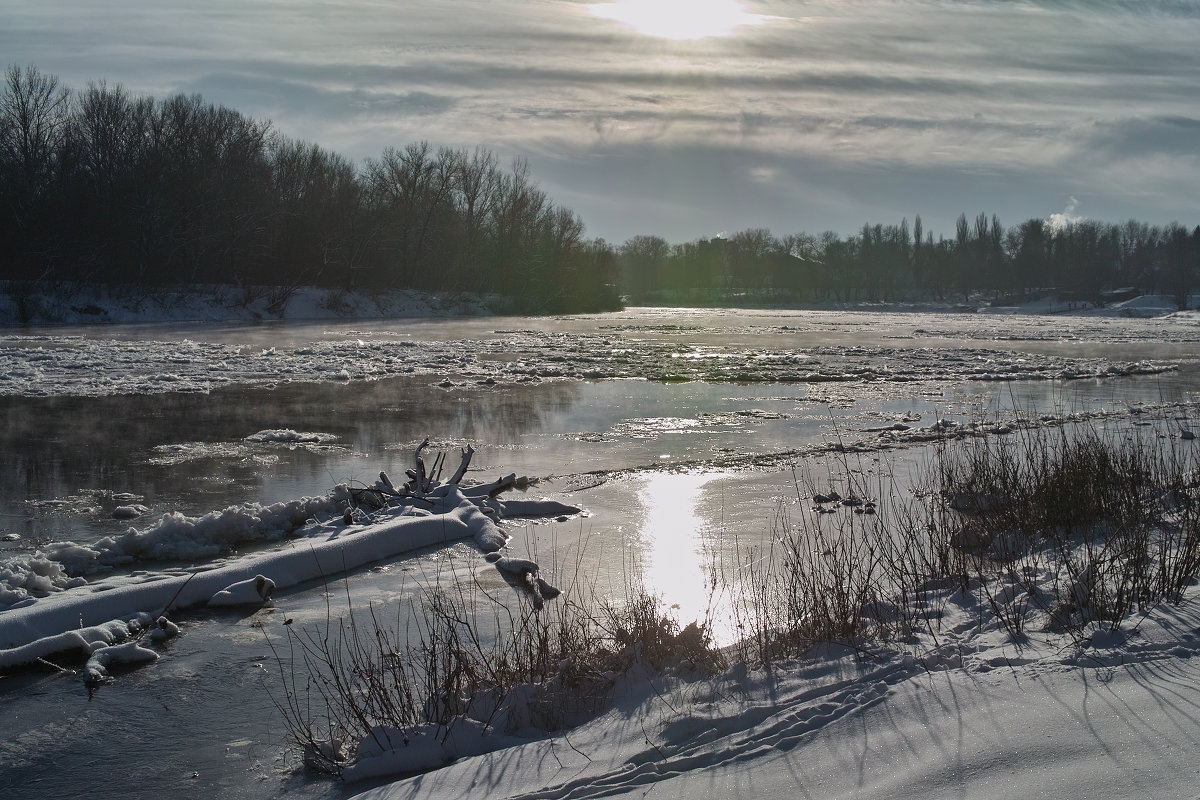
789	115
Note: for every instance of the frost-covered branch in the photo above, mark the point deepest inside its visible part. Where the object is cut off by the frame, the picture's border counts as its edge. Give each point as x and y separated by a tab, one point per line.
457	477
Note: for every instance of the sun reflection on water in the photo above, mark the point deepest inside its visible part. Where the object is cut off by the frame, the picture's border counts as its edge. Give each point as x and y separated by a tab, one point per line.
673	533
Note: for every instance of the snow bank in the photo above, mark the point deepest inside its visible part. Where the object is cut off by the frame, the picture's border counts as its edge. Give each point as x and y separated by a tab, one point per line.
961	713
391	751
80	304
1152	305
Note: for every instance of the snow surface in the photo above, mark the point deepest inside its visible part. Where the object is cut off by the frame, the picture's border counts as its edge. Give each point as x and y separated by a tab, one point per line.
963	713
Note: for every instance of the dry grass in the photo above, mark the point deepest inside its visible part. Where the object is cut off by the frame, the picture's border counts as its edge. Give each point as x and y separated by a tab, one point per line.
1067	525
465	654
1107	518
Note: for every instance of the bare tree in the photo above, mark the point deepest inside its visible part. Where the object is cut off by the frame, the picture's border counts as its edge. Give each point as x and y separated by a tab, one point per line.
407	190
476	179
33	117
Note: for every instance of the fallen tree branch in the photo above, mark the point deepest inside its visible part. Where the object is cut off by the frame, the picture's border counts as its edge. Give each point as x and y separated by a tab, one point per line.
502	485
467	452
418	474
436	472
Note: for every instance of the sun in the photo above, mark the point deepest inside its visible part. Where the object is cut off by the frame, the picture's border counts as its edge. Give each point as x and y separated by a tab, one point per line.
679	19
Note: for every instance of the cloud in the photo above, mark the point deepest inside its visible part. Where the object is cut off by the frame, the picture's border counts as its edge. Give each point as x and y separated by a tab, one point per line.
1175	136
830	112
764	174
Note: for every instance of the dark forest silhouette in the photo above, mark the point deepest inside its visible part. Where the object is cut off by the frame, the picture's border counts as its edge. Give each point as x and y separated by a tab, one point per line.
1079	261
102	187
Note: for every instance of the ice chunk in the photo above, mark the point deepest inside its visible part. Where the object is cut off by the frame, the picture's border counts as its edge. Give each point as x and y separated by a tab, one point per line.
105	656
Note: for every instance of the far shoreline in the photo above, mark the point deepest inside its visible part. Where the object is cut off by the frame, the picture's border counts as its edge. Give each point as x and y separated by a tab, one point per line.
54	305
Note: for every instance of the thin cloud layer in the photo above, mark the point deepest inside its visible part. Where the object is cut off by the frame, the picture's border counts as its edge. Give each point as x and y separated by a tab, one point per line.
821	115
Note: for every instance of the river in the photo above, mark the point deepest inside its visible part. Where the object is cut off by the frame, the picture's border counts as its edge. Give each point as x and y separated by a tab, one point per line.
676	430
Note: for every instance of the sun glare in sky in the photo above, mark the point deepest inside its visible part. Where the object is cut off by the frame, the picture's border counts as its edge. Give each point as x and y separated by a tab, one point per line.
679	19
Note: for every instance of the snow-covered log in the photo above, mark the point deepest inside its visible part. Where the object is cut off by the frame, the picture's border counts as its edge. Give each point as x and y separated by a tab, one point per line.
37	630
498	486
340	531
96	670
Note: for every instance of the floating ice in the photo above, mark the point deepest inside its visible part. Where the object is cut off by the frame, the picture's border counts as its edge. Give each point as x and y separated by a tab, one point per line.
289	436
129	512
72	365
24	577
96	669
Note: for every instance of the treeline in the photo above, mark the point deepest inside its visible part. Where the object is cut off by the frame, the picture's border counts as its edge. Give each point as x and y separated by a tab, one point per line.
1082	260
101	186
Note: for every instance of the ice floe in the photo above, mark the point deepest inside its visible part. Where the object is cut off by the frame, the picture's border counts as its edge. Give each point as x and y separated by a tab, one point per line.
50	364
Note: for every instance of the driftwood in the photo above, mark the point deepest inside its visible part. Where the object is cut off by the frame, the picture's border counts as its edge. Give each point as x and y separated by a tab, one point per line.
457	477
418	475
499	486
423	481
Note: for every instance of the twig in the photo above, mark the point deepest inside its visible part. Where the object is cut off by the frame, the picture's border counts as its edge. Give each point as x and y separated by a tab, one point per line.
646	736
567	739
167	607
64	670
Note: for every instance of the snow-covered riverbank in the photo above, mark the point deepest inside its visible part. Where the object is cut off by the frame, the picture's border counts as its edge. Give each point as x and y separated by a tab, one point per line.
68	304
86	304
965	715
